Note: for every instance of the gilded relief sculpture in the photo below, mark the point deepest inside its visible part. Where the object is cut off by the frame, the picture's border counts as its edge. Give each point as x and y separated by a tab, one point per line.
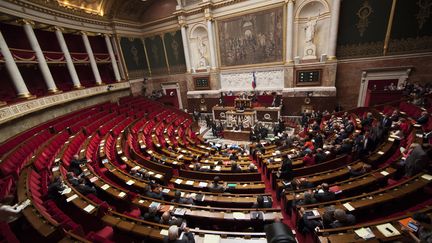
363	13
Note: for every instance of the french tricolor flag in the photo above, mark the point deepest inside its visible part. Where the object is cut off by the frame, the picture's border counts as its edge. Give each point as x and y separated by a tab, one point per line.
253	80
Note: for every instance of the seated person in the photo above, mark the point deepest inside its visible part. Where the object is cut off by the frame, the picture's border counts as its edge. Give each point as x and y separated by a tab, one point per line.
80	184
168	219
135	173
9	212
323	194
155	192
342	219
182	200
302	183
416	161
252	168
75	164
215	187
263	202
423	119
308	198
152	214
320	156
365	168
308	159
55	188
235	168
173	235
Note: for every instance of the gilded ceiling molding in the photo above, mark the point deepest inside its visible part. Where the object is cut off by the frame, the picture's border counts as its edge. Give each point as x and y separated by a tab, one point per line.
72	15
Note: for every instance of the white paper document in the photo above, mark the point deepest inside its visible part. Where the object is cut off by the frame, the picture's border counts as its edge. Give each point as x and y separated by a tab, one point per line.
89	208
348	206
388	230
365	233
71	197
106	186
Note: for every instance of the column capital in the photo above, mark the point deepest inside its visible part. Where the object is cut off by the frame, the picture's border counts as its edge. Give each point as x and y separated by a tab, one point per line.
25	22
208	15
82	32
182	23
106	35
290	1
56	28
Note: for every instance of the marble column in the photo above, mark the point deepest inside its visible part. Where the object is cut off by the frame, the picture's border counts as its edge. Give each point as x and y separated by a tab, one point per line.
113	58
186	47
69	63
118	54
290	32
43	66
91	58
13	70
335	12
211	43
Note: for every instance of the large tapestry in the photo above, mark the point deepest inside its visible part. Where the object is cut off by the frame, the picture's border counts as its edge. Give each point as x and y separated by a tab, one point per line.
174	49
134	56
412	27
156	55
251	39
362	27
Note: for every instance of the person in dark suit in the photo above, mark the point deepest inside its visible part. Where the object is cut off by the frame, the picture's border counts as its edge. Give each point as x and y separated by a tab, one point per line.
395	116
182	200
75	164
215	187
416	161
155	192
386	122
367	121
286	170
423	119
173	235
324	194
342	219
320	156
152	214
235	168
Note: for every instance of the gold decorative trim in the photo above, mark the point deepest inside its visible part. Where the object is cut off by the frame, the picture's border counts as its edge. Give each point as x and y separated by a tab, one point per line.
54	91
389	27
360	50
363	13
165	53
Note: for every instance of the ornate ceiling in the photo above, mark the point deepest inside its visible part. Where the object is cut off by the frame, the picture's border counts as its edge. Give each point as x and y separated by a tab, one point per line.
130	10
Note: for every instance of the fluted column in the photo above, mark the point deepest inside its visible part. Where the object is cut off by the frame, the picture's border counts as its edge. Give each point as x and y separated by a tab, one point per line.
335	12
13	70
119	55
113	59
43	66
290	31
69	63
91	58
211	43
186	47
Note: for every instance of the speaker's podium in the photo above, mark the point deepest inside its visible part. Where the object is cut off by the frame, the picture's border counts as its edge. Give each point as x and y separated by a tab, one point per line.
239	119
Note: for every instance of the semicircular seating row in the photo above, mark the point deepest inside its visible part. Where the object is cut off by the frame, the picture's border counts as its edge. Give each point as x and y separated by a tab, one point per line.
143	134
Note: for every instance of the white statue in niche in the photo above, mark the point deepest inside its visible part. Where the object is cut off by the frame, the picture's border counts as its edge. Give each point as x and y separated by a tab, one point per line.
202	50
310	48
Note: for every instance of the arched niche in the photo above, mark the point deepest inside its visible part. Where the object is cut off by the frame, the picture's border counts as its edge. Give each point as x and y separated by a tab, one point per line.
306	10
199	47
